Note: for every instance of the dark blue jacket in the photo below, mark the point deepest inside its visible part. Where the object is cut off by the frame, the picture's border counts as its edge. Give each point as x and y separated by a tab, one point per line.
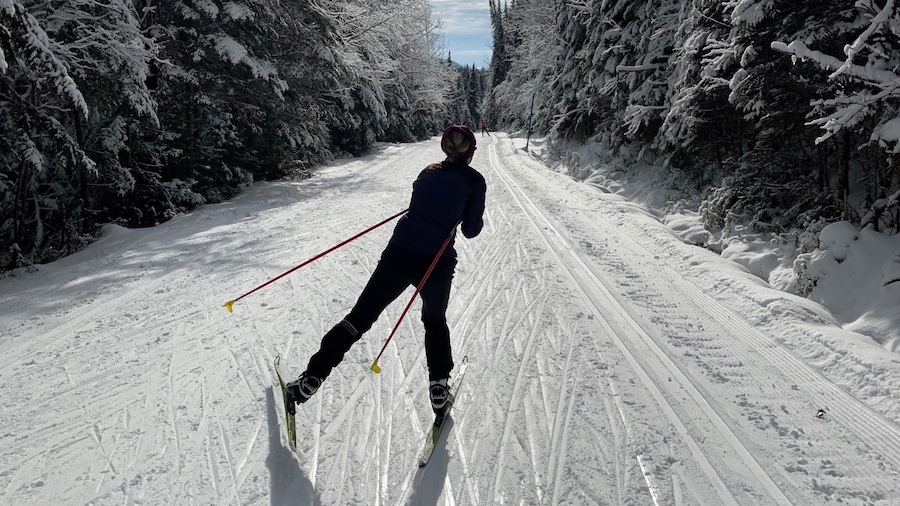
443	194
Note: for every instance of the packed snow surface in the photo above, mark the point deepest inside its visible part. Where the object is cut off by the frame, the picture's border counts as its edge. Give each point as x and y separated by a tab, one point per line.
610	362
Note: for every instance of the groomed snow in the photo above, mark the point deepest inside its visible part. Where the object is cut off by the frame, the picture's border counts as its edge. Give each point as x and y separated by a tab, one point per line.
611	362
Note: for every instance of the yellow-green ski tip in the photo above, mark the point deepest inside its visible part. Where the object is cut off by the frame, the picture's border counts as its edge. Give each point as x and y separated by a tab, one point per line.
375	368
228	306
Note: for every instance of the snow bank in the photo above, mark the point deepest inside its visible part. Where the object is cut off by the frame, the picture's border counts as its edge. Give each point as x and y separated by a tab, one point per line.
854	272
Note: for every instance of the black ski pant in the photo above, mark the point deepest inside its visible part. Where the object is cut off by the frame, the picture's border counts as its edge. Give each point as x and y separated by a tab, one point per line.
398	269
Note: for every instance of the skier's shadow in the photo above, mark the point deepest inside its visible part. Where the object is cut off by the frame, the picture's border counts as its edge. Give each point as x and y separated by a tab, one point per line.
289	486
429	484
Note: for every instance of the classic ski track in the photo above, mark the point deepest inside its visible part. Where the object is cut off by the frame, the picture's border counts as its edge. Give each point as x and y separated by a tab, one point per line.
554	417
855	415
509	293
881	435
202	395
58	337
852	414
560	428
69	327
525	361
534	213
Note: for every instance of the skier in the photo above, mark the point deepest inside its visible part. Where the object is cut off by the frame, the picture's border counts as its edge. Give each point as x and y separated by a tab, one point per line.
484	129
445	194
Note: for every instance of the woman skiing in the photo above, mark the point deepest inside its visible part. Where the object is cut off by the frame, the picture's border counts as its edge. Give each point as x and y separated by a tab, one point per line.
445	194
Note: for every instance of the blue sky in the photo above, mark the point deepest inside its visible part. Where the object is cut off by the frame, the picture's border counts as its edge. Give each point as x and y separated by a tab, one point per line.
467	30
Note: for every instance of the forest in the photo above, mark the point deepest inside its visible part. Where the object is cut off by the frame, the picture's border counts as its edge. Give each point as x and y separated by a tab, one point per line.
779	116
132	111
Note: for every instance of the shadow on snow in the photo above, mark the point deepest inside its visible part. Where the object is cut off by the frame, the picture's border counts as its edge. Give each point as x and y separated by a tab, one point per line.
289	486
428	485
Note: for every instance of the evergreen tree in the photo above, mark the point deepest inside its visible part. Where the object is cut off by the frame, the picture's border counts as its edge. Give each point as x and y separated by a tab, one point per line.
132	111
532	24
571	66
71	98
705	87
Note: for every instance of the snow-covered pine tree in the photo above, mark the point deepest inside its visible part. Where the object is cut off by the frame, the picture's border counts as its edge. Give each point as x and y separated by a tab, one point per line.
858	109
571	64
373	41
532	25
158	106
75	86
219	88
701	83
781	173
417	96
500	63
35	149
646	67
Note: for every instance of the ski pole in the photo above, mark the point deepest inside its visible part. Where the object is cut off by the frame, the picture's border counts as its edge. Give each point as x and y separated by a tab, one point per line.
320	255
375	368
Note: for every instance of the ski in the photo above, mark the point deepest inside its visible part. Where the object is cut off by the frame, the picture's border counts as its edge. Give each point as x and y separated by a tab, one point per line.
434	433
288	408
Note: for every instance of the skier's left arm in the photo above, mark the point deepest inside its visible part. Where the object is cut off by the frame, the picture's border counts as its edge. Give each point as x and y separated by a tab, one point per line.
472	220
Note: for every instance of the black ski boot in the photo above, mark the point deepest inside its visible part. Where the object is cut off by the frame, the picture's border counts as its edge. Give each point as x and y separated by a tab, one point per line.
439	392
302	388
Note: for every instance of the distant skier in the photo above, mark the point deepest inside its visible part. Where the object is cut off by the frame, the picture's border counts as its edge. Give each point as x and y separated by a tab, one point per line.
444	194
484	129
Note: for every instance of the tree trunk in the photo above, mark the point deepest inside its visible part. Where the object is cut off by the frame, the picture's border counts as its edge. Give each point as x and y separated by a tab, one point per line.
844	168
192	140
19	205
84	223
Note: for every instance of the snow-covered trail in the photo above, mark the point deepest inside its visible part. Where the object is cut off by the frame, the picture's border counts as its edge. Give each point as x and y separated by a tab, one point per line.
609	362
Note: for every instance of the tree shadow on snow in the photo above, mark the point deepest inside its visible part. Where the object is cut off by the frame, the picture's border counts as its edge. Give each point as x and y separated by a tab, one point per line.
289	486
429	482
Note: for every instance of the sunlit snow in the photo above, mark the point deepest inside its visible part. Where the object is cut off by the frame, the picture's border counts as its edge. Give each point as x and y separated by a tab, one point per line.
611	361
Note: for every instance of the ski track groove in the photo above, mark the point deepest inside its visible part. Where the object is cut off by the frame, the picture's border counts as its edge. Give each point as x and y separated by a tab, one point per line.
503	335
557	432
564	442
213	467
106	456
482	288
140	440
532	212
557	421
251	443
860	418
533	447
856	417
227	452
502	312
749	345
513	403
240	370
383	438
620	437
173	417
470	488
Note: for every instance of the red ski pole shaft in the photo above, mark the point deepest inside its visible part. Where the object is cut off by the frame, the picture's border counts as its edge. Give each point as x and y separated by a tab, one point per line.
320	255
375	368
